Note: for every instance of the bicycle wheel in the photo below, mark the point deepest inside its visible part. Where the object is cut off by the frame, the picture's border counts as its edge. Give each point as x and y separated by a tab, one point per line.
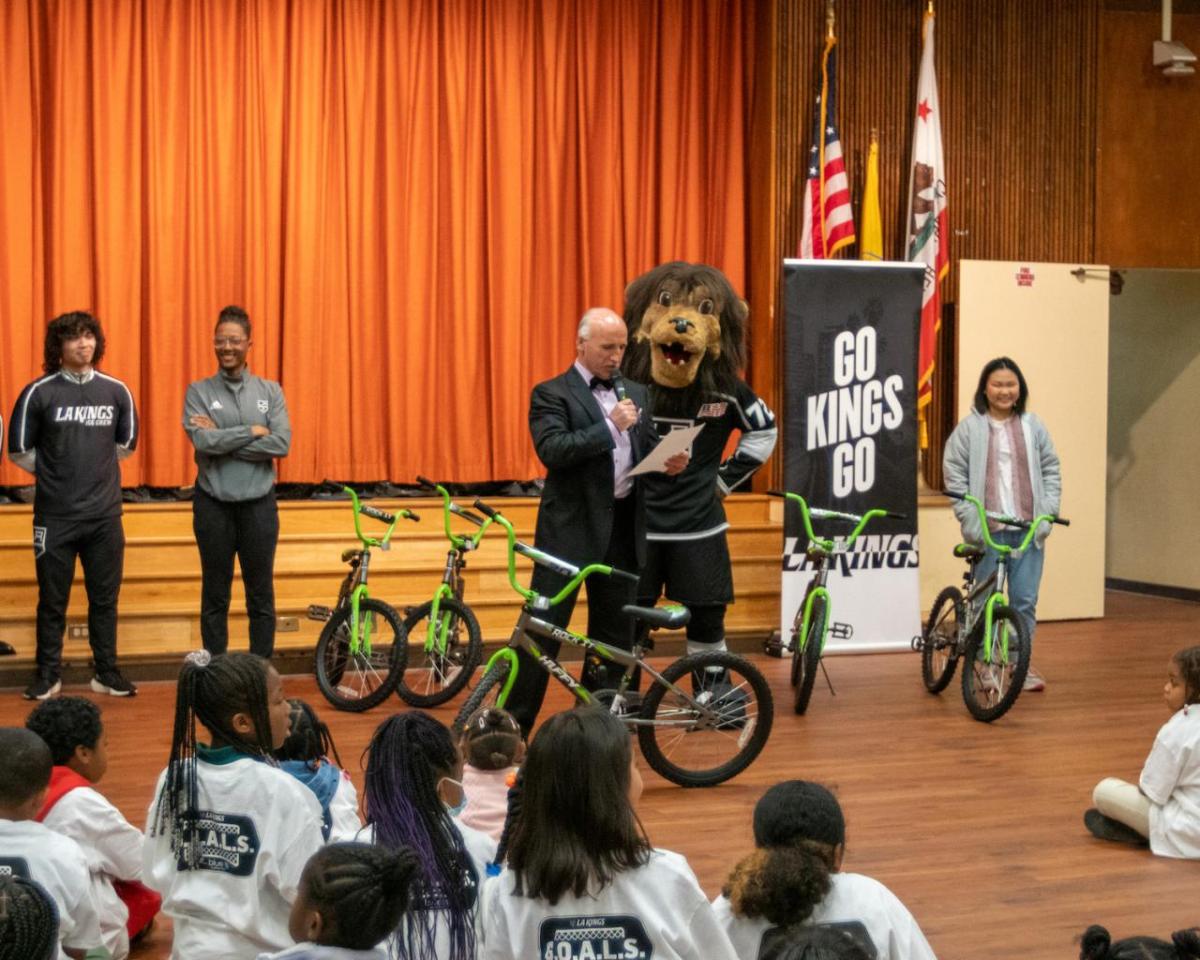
806	660
437	674
483	695
715	733
939	641
358	681
989	689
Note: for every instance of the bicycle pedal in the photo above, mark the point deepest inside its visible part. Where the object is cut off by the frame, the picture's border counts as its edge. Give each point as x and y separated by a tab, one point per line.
917	643
842	631
773	648
319	613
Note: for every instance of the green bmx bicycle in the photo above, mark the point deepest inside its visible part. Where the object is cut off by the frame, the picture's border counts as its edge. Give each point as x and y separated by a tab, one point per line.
363	647
705	717
977	625
447	629
812	623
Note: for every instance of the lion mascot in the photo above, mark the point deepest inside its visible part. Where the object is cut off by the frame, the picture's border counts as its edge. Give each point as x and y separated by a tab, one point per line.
687	344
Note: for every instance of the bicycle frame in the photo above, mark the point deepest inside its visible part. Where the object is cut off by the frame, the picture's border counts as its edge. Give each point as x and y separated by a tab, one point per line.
360	629
1003	557
529	625
824	549
456	561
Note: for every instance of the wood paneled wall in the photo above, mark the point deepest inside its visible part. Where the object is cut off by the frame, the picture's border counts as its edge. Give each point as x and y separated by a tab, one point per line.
1032	93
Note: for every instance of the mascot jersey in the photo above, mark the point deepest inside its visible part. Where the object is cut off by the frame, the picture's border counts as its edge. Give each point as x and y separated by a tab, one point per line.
686	506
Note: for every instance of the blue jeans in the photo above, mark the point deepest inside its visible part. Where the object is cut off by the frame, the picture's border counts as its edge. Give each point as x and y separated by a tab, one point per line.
1024	576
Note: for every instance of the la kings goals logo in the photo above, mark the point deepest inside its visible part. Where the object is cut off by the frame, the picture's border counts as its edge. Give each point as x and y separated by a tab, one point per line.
594	938
228	843
890	551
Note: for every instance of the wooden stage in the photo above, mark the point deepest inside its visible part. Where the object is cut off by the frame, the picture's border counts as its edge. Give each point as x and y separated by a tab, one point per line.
978	829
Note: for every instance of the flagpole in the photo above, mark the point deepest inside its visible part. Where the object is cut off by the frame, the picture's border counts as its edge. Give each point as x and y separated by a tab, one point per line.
829	19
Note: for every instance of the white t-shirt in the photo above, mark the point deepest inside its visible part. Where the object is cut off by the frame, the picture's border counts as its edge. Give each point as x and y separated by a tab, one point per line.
113	847
654	912
314	951
260	826
343	811
1004	467
857	904
482	850
1171	781
32	850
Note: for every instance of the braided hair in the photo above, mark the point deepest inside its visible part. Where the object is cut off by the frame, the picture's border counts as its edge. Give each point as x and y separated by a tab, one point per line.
1188	661
491	739
309	739
408	756
66	723
1097	944
212	690
28	920
360	890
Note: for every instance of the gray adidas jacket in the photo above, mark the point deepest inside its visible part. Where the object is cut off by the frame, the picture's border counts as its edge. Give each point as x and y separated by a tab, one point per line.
232	464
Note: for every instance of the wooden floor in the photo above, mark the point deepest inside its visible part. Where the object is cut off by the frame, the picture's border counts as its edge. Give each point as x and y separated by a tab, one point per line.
978	829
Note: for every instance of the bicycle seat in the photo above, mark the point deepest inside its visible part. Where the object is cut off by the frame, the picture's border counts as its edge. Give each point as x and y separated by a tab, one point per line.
969	551
663	618
350	553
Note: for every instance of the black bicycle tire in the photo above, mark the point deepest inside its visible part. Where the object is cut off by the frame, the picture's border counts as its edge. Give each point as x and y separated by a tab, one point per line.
329	685
1019	640
812	655
492	680
471	655
743	758
797	670
936	684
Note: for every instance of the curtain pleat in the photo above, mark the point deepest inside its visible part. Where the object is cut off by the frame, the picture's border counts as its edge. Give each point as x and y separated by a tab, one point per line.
414	201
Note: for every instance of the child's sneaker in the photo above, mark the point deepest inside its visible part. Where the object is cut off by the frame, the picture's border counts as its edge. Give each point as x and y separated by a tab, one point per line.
43	688
1034	681
114	684
1106	828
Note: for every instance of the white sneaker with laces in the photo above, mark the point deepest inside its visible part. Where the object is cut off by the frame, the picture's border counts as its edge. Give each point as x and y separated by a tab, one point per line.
1034	681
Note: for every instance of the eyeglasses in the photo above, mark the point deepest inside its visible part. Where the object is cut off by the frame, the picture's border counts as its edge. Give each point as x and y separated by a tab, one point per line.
228	341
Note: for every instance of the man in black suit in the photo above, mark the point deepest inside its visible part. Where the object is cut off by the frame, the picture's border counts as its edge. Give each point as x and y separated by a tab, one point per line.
589	431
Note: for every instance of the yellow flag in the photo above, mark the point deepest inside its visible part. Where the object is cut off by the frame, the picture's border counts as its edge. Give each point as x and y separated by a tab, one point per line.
872	233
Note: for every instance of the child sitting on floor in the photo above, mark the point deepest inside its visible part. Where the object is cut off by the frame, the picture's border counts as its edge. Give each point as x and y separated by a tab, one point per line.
229	832
72	730
794	879
352	896
492	748
1097	944
305	755
1164	806
32	851
28	922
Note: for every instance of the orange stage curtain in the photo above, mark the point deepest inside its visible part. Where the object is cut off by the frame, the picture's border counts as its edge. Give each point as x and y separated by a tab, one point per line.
414	201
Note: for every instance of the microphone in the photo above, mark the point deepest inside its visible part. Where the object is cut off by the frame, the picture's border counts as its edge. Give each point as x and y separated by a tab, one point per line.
619	386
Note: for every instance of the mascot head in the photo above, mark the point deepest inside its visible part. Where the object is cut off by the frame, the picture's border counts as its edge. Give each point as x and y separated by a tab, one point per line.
687	328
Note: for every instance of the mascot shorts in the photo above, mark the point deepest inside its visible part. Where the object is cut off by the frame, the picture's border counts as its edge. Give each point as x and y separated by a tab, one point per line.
688	571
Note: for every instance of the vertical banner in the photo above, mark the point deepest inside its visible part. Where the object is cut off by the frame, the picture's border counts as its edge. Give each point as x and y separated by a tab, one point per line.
850	442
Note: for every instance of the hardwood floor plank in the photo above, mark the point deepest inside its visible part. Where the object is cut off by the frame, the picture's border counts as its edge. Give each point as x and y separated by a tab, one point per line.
977	828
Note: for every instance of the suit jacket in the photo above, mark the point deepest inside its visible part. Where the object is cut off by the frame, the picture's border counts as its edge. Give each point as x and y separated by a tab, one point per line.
572	439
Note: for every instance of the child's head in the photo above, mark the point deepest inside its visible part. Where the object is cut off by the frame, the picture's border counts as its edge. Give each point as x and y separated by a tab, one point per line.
1097	944
352	895
492	739
28	920
72	730
238	698
308	737
577	823
25	765
1183	679
414	773
801	835
817	943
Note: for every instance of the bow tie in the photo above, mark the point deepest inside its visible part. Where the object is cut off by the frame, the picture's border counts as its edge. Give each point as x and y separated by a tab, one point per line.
600	382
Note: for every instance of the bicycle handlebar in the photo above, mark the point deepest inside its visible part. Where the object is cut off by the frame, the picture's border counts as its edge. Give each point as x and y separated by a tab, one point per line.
1029	526
807	513
426	483
377	514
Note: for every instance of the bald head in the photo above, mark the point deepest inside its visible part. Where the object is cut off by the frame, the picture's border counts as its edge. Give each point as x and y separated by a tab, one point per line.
601	341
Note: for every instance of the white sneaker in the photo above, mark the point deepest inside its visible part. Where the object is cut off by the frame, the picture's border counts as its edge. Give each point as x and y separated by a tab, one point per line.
1034	682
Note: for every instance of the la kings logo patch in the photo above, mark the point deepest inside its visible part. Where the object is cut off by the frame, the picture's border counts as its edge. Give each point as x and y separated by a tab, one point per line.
594	938
14	867
228	843
39	542
263	406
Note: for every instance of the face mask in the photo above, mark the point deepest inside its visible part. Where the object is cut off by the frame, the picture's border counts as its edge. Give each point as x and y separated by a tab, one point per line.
458	808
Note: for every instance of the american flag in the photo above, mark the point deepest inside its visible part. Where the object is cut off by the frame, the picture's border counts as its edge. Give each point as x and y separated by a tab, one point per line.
828	218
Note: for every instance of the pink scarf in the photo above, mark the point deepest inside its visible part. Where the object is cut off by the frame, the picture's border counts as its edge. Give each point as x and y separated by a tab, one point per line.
1022	486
